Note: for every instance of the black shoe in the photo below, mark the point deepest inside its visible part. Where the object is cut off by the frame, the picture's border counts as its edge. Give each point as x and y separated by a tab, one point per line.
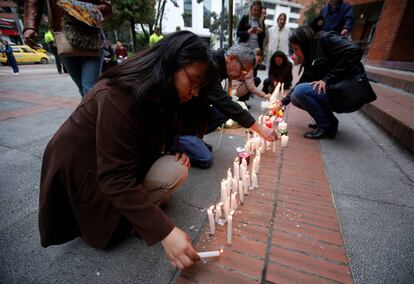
320	133
209	147
313	125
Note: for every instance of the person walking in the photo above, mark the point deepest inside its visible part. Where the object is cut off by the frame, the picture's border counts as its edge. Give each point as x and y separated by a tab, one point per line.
11	60
106	172
50	41
84	64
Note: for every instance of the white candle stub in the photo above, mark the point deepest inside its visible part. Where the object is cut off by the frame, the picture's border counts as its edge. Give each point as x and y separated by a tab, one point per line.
208	254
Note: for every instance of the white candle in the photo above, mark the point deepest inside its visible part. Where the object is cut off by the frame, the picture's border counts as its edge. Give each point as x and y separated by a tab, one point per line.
229	227
284	140
247	184
211	220
241	192
257	164
233	201
235	185
223	190
227	208
208	254
247	147
229	175
254	181
218	211
236	168
274	146
282	126
242	170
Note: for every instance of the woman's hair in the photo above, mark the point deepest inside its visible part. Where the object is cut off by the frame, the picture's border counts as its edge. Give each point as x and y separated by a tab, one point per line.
275	70
305	38
261	20
280	15
151	72
243	52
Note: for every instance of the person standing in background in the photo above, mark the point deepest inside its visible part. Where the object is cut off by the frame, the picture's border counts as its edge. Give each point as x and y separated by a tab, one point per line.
156	36
338	16
50	41
251	29
11	60
278	37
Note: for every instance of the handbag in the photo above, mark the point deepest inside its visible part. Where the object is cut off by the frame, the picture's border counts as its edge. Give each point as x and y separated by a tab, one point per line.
64	48
351	94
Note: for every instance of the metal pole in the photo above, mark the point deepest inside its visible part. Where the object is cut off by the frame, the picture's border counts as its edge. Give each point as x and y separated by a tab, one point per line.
222	25
230	26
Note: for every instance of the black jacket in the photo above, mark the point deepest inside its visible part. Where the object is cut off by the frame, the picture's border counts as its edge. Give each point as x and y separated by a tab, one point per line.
335	59
194	112
244	26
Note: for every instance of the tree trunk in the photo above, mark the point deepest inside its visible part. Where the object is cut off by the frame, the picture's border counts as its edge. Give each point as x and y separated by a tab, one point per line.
133	35
162	14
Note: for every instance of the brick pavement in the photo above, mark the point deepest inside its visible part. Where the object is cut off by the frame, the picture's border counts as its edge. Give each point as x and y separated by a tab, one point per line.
287	230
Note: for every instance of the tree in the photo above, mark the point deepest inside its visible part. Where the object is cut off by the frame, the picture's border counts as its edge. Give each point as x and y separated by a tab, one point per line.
313	11
132	12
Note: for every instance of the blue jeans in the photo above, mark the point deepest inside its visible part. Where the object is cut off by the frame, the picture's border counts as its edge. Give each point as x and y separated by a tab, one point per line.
200	156
11	60
84	70
317	105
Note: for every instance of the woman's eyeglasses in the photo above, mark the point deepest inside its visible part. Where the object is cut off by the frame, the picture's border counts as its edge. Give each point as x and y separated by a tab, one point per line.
195	84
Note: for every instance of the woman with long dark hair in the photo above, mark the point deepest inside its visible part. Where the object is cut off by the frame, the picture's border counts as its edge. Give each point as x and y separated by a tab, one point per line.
106	171
280	71
326	59
251	28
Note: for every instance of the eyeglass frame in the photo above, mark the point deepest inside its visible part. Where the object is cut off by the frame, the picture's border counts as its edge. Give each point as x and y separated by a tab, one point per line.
194	83
244	71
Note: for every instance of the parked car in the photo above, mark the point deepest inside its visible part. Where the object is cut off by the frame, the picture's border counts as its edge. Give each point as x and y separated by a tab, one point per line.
25	54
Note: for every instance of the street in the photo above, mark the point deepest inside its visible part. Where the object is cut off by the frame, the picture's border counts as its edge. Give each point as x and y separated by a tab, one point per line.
370	176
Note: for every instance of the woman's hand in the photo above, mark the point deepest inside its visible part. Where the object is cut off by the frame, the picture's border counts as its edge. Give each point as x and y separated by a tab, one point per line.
178	248
183	158
319	85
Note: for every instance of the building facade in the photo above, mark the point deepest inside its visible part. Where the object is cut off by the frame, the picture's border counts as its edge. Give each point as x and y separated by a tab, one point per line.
10	24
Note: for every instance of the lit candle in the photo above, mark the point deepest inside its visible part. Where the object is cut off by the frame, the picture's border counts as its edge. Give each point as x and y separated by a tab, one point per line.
229	227
233	201
282	126
241	192
236	168
218	211
255	184
208	254
284	140
211	220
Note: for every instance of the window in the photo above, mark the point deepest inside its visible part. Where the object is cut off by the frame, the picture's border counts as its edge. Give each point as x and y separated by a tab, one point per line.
293	20
206	14
295	10
188	13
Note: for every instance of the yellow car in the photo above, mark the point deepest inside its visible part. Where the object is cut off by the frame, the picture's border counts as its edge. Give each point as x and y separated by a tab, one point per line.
25	54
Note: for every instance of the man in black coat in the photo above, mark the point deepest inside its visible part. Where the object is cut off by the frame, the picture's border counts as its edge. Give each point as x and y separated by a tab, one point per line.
233	65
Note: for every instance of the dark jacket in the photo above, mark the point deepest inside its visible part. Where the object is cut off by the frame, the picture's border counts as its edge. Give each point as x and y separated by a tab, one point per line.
335	59
94	165
244	26
337	20
33	13
195	112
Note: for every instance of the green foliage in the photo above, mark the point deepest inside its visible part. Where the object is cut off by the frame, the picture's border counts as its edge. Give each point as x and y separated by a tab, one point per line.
313	11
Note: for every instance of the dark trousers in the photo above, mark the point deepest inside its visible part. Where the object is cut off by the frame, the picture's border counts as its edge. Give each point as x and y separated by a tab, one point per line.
11	60
59	63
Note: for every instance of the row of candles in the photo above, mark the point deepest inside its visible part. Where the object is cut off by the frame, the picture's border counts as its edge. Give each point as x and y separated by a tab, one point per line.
239	182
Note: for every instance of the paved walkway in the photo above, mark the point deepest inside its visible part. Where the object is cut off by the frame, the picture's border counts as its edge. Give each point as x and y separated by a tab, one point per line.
287	230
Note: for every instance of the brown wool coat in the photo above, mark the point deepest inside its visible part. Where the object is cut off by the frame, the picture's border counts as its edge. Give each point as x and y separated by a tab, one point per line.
93	168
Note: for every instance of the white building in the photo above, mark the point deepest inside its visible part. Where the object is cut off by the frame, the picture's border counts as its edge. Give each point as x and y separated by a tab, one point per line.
276	7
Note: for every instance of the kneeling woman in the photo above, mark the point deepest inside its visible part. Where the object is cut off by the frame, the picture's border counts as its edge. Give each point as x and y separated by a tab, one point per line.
280	71
104	172
326	59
